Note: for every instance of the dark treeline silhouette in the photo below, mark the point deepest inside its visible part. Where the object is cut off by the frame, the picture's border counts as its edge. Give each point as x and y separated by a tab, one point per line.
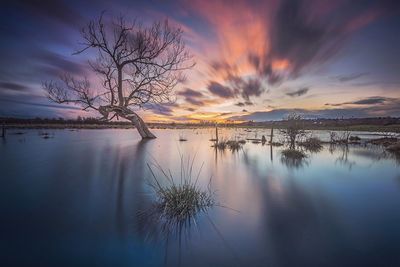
60	121
378	123
333	122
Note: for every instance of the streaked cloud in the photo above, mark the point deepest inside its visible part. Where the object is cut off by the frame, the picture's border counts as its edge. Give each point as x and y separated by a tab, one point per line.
13	86
350	77
374	100
298	92
220	90
278	114
191	96
247	53
242	104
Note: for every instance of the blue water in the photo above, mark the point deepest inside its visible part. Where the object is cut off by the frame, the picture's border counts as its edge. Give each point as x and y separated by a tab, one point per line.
75	199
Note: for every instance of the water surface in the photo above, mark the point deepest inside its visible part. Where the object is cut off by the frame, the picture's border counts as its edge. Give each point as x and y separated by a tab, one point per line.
74	199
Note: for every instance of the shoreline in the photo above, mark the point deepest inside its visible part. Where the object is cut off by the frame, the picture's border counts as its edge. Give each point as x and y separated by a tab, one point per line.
362	128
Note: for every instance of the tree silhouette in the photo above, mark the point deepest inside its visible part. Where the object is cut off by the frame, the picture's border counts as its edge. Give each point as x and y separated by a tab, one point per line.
293	129
138	66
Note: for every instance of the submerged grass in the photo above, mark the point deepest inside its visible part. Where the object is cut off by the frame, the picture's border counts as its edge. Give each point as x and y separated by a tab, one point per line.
221	145
180	202
293	154
181	198
384	141
312	144
394	148
182	138
293	158
233	145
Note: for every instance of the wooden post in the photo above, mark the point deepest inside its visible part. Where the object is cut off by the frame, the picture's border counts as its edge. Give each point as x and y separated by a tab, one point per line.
263	139
3	131
216	133
272	135
272	157
270	143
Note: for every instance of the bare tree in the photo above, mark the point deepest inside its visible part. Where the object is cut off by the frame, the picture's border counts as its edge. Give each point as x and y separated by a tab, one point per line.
294	129
138	66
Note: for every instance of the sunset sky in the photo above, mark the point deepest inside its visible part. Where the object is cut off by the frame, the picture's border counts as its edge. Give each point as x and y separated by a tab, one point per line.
255	60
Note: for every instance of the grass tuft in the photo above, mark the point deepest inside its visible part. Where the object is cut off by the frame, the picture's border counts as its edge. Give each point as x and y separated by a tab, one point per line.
233	145
384	141
354	138
293	154
182	138
312	144
394	148
180	202
293	158
181	198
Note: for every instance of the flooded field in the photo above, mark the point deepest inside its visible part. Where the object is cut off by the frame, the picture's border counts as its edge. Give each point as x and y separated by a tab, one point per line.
80	198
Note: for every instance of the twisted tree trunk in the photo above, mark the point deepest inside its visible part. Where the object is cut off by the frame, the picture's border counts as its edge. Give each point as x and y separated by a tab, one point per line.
140	125
128	114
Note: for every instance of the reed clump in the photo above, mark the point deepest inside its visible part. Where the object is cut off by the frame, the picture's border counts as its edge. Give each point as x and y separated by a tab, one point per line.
313	144
182	138
293	154
340	138
180	202
394	148
354	138
233	145
384	141
293	158
181	198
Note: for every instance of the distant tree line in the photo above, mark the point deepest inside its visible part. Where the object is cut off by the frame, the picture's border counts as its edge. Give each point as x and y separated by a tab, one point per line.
307	123
78	120
339	122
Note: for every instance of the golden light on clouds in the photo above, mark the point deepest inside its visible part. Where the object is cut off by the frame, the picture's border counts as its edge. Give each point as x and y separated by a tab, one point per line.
280	64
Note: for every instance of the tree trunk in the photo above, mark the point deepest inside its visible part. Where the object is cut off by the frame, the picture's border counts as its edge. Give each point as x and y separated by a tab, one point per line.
140	125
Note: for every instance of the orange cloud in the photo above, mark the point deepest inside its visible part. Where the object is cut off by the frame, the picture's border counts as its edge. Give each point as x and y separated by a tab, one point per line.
280	64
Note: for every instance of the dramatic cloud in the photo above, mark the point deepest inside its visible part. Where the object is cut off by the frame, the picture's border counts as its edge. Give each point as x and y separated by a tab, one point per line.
165	109
243	49
220	90
37	106
298	34
242	104
13	86
304	33
57	11
374	100
251	87
243	86
190	93
279	114
191	96
299	92
351	77
194	101
371	101
55	64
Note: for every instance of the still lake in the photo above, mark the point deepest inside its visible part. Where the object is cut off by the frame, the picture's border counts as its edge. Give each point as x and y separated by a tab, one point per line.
75	199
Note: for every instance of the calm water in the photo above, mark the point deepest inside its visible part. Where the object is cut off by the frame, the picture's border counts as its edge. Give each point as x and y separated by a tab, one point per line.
75	199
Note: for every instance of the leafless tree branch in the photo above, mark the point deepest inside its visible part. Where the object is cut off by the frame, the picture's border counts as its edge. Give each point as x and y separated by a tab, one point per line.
138	66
